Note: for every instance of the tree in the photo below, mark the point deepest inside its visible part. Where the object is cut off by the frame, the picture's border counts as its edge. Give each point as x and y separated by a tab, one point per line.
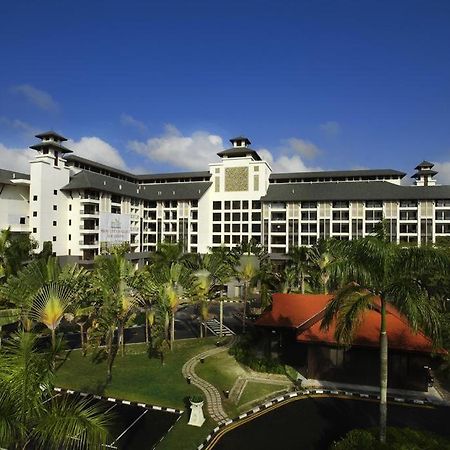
378	273
322	260
44	292
31	416
300	263
169	284
115	282
15	250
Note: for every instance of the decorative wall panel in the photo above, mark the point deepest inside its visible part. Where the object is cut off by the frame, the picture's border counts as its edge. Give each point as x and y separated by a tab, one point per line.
236	179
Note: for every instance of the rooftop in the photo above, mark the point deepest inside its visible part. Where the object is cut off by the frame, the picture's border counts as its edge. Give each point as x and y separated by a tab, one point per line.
51	133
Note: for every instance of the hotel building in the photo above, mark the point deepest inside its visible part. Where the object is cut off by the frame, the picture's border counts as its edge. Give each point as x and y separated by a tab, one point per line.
81	206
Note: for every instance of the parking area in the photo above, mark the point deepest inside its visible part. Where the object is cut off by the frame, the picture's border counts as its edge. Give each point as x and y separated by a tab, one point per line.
134	426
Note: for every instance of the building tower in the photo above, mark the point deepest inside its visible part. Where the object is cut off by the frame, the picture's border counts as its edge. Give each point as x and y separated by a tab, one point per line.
424	174
48	205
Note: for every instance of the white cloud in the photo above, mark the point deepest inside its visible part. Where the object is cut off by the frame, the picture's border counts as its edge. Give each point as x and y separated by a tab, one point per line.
128	120
332	128
306	148
37	97
96	149
443	177
285	163
15	158
17	124
189	152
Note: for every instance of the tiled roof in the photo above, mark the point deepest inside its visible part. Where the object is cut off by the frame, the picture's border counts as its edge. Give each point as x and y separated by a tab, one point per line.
7	175
163	191
337	174
355	190
304	313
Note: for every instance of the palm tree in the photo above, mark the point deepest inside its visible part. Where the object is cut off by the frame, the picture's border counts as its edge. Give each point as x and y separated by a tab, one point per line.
247	272
170	285
49	306
31	416
116	283
379	273
203	291
323	258
44	292
300	263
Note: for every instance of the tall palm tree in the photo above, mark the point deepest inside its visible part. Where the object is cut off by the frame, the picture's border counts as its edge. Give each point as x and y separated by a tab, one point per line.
247	272
379	273
116	283
323	261
300	263
31	416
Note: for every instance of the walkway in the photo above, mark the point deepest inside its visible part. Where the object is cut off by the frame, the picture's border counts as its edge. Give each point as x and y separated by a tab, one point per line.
212	395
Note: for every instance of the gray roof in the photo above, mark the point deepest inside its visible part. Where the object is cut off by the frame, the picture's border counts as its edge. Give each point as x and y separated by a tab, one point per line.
369	190
52	144
424	163
139	178
52	134
161	191
100	166
239	151
337	174
7	175
174	176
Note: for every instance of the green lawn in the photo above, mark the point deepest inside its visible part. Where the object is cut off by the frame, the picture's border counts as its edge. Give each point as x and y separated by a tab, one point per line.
135	377
222	371
257	392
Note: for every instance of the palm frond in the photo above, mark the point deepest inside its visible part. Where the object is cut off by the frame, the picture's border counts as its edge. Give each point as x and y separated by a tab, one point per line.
72	424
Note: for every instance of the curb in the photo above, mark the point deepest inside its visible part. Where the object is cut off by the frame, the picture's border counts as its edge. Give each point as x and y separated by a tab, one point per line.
121	401
306	393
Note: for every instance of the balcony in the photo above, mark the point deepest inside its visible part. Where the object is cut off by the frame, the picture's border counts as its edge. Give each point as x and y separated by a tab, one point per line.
89	212
88	243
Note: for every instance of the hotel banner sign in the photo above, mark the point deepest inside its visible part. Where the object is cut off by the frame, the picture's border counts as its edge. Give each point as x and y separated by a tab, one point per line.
114	228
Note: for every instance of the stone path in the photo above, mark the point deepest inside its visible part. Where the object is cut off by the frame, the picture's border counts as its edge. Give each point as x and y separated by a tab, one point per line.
212	395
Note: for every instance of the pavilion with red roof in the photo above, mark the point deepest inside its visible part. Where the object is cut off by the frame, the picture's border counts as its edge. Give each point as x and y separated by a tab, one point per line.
296	318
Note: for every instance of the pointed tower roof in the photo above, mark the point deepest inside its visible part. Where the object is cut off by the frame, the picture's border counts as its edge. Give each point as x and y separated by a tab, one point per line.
424	165
51	134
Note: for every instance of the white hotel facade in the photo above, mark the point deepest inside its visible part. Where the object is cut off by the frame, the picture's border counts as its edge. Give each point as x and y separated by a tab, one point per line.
81	206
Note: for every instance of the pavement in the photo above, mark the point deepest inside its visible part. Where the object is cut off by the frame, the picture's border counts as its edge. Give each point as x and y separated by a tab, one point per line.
432	395
211	393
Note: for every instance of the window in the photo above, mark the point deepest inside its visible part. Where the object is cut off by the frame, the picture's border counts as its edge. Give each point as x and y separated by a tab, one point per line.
256	204
236	228
217	205
216	239
245	204
55	192
340	204
216	228
227	205
236	204
227	217
55	207
22	221
309	205
217	217
34	213
70	222
54	223
70	237
54	239
34	230
70	207
34	198
236	217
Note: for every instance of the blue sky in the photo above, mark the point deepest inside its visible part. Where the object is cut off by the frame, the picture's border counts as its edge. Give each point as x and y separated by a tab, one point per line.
159	86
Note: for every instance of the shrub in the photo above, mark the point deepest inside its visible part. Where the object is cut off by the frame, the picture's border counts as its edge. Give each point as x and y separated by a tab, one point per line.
396	439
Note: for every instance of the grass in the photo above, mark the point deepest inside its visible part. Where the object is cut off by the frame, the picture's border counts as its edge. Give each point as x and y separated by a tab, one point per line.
222	371
255	392
135	377
184	436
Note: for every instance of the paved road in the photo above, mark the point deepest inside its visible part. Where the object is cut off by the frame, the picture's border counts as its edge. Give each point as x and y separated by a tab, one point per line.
186	324
313	423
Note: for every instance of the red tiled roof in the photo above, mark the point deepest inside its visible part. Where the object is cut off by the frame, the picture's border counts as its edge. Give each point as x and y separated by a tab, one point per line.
294	310
400	335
